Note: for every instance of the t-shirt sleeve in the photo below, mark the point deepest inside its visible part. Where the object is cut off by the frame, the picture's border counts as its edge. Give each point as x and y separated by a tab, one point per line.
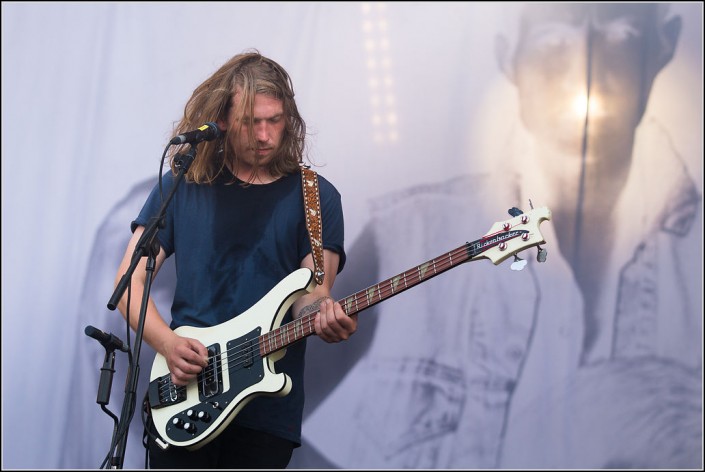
333	232
150	210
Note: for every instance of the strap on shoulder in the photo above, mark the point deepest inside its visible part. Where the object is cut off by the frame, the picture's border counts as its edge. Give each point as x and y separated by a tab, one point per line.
312	209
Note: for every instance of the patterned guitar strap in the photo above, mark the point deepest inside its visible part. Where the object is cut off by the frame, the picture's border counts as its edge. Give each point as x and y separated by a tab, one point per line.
312	209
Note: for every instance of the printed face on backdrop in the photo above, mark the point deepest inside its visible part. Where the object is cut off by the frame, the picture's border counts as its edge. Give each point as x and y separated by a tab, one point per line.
599	60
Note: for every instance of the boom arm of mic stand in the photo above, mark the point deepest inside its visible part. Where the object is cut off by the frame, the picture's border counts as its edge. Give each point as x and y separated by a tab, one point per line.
148	240
146	246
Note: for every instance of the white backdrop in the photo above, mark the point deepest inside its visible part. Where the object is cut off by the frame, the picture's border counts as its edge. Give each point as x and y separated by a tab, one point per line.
89	95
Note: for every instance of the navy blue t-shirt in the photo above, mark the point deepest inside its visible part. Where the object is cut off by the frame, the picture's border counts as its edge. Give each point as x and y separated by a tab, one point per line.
233	244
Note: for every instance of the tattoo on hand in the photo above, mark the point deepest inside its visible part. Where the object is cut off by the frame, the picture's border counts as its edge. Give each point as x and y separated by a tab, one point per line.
312	308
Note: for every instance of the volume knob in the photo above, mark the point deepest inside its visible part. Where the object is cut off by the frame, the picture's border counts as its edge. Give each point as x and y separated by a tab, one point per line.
190	427
178	422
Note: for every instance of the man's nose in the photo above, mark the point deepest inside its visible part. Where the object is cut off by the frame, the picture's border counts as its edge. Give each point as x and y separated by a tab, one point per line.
262	132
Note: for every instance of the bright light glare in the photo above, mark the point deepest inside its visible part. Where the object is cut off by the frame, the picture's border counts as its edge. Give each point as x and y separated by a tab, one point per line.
581	106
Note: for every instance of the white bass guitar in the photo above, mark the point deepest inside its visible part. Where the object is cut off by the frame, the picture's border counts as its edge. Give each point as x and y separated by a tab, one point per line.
243	350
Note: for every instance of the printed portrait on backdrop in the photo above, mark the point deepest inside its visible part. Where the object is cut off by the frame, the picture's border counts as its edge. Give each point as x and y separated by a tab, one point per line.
585	361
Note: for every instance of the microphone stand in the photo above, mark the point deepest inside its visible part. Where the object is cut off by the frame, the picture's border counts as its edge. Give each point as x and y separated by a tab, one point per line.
104	388
148	246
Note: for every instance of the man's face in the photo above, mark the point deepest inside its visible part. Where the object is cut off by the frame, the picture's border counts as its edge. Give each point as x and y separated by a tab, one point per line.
267	124
567	53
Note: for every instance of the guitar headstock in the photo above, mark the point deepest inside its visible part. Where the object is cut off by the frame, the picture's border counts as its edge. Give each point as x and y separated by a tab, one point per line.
507	238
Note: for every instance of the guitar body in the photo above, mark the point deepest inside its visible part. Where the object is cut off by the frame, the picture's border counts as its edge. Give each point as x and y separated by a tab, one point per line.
243	350
193	415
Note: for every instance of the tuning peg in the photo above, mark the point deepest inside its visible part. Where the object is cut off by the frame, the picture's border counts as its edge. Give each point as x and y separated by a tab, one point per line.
518	263
541	256
514	211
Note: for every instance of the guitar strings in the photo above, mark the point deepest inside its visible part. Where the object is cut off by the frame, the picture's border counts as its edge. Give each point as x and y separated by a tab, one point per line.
444	262
462	254
382	290
238	357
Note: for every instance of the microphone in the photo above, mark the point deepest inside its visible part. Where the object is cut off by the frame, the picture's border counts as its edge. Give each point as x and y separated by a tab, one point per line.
207	132
109	341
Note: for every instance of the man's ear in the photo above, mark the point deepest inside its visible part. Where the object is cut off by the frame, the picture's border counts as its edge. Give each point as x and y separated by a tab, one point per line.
668	39
504	57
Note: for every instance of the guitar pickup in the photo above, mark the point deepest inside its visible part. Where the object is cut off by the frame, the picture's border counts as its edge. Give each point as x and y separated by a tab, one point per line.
248	354
210	379
163	392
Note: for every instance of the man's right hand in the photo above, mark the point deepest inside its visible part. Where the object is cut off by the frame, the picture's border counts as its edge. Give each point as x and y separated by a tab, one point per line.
185	357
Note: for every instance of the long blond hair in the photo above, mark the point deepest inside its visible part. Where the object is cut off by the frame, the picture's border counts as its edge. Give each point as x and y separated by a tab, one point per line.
249	73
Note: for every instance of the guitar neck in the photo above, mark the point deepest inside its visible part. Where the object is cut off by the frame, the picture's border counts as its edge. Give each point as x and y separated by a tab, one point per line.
303	327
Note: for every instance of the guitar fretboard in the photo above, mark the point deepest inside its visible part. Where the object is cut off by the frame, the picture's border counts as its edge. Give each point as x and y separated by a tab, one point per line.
299	329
